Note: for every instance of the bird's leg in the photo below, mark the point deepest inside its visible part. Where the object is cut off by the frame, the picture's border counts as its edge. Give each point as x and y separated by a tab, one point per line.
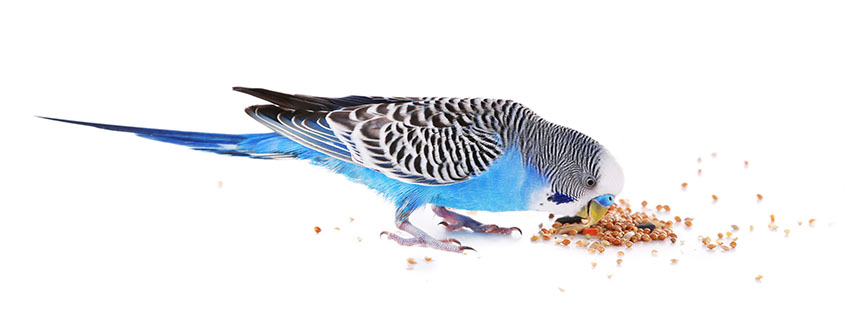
422	238
454	221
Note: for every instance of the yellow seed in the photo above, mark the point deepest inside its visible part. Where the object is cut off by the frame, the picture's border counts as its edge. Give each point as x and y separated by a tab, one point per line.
811	221
725	248
787	231
772	227
751	227
728	234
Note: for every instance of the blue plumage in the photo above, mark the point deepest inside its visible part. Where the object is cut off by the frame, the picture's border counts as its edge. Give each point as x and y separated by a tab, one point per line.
474	154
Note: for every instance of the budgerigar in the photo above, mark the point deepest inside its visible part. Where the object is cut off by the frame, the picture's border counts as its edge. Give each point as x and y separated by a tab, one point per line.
473	154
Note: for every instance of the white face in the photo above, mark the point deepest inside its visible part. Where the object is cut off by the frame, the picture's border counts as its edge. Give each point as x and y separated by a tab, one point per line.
610	181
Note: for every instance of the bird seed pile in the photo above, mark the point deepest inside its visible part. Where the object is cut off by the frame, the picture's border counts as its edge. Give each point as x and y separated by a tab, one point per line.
619	227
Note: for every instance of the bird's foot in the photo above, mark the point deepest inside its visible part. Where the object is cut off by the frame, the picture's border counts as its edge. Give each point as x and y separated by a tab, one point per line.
454	221
422	238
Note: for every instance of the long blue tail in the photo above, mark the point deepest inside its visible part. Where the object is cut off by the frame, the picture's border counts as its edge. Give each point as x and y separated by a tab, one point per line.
262	146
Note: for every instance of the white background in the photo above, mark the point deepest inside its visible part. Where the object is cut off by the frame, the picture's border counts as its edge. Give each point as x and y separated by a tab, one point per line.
101	222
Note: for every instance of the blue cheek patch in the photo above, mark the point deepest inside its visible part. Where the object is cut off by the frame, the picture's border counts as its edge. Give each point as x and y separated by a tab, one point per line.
605	199
560	198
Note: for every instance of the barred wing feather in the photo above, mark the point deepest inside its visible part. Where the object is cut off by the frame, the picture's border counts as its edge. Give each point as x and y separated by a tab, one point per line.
428	141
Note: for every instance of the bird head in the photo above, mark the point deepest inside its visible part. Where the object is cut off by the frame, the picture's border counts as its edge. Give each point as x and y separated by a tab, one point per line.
585	187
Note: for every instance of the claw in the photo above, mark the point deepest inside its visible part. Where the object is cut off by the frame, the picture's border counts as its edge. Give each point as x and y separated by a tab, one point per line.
517	229
467	248
452	240
383	233
443	223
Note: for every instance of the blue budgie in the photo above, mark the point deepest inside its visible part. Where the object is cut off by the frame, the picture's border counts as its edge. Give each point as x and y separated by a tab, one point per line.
473	154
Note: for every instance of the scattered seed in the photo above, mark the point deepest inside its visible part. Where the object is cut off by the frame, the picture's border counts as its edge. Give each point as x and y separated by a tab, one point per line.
350	219
644	203
688	223
799	223
787	231
684	185
551	216
759	197
621	253
699	159
678	219
674	260
711	246
610	275
648	225
728	234
751	227
735	227
714	197
719	235
746	164
713	155
427	259
546	237
733	244
772	227
336	228
759	277
654	252
593	264
411	261
619	261
667	207
772	218
561	289
725	248
317	229
811	221
534	238
699	172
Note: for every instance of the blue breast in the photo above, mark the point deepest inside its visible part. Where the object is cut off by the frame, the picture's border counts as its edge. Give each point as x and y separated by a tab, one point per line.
505	186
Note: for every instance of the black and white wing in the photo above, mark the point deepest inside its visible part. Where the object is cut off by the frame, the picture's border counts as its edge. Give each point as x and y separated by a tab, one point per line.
429	141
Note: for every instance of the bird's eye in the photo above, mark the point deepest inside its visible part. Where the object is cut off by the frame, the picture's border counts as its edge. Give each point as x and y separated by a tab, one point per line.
589	180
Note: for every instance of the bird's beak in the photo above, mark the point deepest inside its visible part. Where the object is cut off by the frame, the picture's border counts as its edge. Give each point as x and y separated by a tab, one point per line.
596	208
